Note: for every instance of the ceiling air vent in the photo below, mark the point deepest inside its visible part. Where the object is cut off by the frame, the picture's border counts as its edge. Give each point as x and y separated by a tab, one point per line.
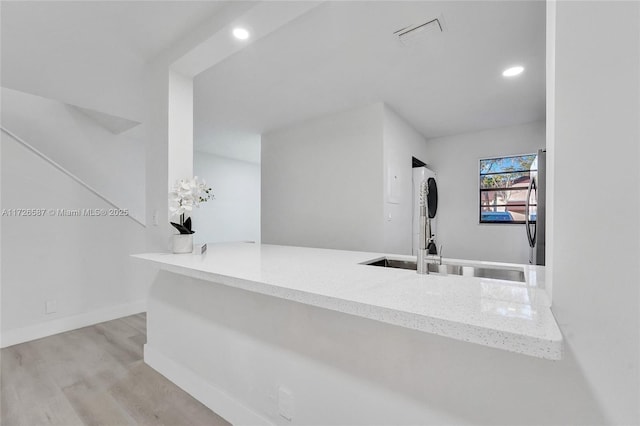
415	33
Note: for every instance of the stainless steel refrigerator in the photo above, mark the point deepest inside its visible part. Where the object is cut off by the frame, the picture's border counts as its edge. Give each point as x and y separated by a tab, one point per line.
535	219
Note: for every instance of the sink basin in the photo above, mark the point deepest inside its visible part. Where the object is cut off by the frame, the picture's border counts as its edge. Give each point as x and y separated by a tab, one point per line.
394	263
499	273
509	274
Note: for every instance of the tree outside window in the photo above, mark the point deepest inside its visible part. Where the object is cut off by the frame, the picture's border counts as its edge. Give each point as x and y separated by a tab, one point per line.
503	188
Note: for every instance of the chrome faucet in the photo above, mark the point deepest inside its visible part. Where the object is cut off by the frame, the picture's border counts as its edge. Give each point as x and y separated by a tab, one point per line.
425	232
426	243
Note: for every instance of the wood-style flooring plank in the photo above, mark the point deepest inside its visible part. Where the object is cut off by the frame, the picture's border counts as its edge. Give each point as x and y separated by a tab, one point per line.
147	395
93	376
51	411
139	322
96	406
76	357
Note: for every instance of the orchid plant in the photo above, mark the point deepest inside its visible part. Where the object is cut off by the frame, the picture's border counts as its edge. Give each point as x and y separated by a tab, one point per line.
185	195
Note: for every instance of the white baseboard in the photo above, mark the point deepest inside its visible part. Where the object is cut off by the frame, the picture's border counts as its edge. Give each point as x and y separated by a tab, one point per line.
60	325
214	398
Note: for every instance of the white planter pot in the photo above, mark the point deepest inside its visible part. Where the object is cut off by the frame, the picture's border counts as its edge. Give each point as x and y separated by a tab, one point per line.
182	243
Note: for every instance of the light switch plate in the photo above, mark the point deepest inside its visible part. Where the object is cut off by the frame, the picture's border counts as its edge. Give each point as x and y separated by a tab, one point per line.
393	186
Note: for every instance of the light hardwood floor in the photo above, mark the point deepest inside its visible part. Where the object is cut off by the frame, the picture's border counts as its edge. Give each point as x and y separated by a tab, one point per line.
93	376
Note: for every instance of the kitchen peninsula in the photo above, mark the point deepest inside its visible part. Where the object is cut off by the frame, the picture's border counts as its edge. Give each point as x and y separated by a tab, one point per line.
217	319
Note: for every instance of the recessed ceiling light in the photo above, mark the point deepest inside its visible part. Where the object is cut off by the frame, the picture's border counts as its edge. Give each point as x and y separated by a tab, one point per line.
513	71
240	33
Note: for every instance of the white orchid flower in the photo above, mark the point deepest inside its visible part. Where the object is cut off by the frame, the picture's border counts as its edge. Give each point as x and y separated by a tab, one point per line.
187	193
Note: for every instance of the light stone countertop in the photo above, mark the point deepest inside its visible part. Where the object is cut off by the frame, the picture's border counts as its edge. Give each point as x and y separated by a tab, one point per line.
500	314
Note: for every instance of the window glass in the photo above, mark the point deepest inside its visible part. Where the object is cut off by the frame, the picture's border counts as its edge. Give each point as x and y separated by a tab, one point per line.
504	182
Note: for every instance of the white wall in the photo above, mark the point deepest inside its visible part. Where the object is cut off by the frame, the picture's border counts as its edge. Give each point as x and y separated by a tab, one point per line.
350	176
80	262
234	214
401	142
288	154
455	160
322	182
550	125
596	257
128	86
112	164
346	370
180	127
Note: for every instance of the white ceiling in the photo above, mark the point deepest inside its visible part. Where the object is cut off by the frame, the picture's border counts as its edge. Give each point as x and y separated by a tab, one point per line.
138	28
89	53
337	56
343	54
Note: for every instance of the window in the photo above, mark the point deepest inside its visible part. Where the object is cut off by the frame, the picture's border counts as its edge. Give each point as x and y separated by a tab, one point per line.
503	188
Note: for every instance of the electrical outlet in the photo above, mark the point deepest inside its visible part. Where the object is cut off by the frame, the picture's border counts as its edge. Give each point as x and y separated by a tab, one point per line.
50	307
285	403
155	218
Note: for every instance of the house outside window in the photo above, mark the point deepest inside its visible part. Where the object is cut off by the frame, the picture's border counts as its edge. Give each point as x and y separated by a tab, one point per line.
503	188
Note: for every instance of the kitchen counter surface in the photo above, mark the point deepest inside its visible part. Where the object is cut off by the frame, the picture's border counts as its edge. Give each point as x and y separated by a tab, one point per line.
507	315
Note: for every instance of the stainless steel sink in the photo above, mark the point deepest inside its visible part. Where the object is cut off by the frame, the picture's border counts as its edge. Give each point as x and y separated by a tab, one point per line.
509	274
499	273
394	263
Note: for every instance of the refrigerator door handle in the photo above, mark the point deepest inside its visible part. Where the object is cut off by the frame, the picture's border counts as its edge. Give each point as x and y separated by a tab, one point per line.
531	236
